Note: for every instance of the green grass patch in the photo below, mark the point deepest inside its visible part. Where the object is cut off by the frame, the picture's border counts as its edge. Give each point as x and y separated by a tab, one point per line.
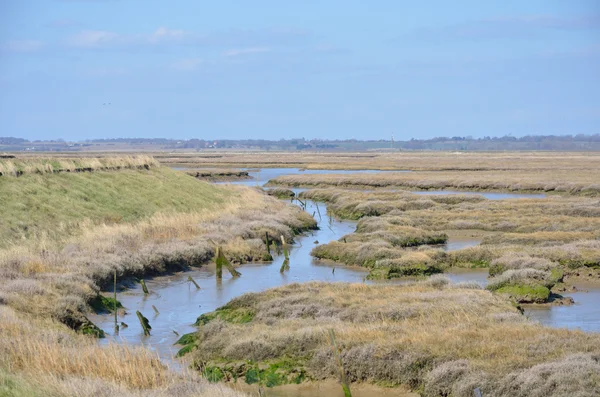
103	304
234	316
56	205
526	293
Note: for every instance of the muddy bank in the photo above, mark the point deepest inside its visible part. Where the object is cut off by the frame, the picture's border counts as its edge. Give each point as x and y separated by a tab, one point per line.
219	175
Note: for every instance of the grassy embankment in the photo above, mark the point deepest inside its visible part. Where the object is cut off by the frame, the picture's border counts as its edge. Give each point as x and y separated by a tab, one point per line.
530	245
437	338
63	234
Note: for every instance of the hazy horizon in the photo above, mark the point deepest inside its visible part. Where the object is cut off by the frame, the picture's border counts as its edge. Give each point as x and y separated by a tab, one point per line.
93	69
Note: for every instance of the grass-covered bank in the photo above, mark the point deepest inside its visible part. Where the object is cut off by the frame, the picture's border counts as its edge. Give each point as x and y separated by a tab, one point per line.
54	208
530	244
68	233
437	338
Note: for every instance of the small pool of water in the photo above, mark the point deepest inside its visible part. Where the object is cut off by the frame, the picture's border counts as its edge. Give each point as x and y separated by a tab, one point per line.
583	315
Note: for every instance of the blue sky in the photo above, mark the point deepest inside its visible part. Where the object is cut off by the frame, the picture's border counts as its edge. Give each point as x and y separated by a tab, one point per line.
313	69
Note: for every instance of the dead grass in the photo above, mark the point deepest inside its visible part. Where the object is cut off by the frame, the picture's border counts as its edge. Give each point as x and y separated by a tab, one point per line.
38	165
436	338
39	357
415	161
551	180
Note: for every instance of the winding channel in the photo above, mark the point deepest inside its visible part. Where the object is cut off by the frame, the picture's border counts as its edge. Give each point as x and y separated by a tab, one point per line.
180	303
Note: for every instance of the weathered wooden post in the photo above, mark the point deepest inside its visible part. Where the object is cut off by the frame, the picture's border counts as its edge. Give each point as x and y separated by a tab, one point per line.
340	364
144	288
115	302
191	280
268	243
144	323
221	261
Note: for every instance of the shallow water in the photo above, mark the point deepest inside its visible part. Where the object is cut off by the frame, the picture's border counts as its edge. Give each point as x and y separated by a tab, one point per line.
583	315
179	303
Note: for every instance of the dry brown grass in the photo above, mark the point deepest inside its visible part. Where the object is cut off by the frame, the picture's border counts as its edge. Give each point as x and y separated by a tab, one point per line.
584	182
40	165
416	161
54	361
412	335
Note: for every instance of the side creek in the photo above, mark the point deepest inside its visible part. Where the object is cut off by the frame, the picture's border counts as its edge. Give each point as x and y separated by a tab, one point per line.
179	303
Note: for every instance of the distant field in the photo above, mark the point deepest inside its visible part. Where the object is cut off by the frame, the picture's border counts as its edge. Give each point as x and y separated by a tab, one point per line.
408	160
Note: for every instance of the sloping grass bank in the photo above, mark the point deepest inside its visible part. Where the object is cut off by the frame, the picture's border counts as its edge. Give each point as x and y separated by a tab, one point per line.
437	338
56	207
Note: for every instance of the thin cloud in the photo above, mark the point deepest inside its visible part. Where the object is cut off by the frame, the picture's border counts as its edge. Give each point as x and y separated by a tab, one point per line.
103	38
527	26
21	45
246	51
93	38
187	65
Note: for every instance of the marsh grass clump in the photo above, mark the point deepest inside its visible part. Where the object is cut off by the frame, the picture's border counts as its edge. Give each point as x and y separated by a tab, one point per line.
280	193
434	337
524	285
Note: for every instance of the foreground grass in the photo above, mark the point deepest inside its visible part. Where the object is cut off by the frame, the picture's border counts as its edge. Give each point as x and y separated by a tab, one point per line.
41	358
437	338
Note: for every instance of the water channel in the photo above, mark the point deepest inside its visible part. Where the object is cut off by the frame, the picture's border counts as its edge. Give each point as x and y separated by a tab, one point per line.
179	303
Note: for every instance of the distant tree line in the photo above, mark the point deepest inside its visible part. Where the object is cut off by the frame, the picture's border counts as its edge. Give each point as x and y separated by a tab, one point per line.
578	142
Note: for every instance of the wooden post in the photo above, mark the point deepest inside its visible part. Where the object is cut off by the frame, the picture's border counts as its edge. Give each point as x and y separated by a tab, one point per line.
219	263
144	323
268	243
284	246
319	211
190	279
115	297
340	364
144	288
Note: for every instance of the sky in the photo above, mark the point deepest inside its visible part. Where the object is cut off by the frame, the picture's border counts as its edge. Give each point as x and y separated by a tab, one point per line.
272	69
